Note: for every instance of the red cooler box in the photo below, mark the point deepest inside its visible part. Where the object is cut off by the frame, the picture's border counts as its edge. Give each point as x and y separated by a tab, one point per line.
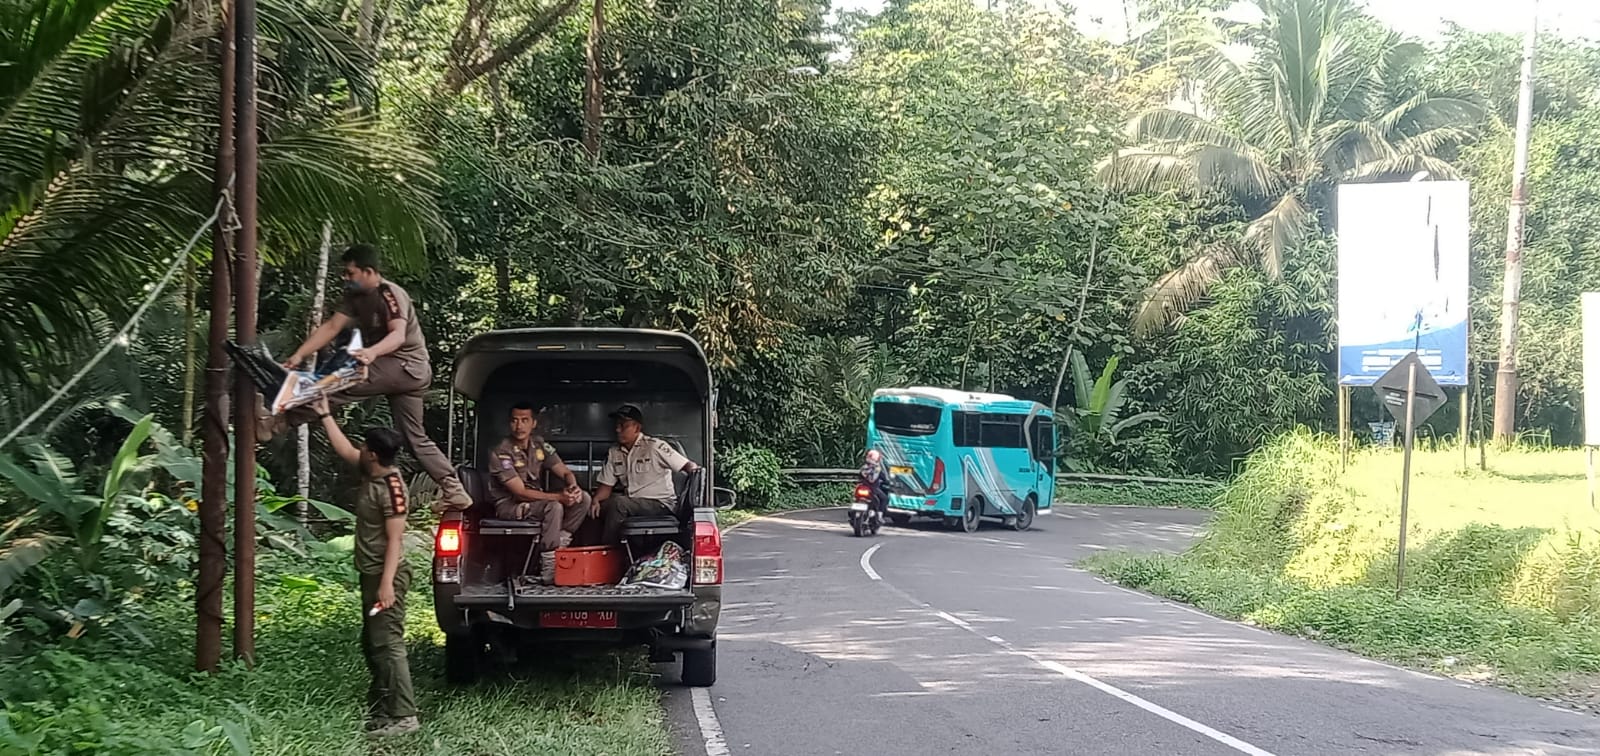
590	565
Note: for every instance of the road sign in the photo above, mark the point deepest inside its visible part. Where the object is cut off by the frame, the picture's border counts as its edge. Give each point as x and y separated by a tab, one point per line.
1391	388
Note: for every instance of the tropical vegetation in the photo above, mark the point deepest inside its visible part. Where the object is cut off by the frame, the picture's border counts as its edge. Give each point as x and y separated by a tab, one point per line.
942	192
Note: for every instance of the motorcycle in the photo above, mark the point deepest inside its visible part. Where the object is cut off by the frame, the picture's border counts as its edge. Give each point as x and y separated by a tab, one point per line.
865	519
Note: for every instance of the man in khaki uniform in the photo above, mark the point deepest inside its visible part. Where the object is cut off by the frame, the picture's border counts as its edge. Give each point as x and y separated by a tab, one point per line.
517	466
397	364
642	466
380	533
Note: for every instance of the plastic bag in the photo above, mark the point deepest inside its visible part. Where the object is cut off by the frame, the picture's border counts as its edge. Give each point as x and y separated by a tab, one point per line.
667	568
288	389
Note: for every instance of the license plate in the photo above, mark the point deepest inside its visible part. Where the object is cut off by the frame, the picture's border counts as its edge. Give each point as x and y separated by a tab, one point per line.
859	506
899	470
591	620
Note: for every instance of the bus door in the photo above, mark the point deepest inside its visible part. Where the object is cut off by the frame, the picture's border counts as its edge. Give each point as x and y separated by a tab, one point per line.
1042	447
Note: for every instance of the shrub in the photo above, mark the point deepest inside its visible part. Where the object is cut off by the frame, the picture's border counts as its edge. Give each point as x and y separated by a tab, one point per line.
755	473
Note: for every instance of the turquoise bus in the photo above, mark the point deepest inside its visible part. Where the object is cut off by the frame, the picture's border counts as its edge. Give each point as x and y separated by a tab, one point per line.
963	457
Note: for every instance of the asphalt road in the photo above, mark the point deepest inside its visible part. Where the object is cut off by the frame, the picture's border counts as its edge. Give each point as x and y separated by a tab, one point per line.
992	643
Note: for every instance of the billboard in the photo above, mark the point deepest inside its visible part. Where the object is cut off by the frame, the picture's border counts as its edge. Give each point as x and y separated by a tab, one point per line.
1403	259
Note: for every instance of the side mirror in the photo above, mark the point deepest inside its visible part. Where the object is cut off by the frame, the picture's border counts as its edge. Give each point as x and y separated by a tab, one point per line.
724	499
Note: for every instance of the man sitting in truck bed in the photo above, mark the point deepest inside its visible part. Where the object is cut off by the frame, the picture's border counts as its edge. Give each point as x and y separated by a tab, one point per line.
642	466
517	467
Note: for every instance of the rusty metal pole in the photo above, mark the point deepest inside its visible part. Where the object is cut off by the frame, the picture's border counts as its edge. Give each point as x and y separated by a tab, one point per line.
244	287
214	478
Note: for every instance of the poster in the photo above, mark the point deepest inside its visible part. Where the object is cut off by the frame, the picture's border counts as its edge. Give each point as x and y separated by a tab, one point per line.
1403	259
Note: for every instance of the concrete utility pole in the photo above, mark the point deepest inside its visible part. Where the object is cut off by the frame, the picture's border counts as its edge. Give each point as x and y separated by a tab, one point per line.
1506	380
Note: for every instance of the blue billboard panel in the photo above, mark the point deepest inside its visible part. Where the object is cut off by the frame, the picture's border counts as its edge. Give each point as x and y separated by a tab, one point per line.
1403	259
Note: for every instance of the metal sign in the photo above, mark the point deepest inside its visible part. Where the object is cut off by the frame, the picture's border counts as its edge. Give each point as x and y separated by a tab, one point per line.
1391	388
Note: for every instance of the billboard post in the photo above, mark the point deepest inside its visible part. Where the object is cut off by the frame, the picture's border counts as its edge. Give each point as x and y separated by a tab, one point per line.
1591	382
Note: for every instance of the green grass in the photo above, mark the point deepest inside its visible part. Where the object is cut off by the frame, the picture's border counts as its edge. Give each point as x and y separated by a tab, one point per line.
1503	566
792	498
1139	494
305	696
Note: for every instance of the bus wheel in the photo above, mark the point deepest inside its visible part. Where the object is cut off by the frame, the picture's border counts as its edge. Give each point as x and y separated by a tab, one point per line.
1024	519
971	515
900	520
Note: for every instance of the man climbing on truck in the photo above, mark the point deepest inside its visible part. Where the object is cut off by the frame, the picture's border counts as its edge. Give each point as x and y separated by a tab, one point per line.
397	365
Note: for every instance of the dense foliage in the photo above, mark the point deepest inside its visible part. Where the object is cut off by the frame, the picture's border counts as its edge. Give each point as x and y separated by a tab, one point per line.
942	193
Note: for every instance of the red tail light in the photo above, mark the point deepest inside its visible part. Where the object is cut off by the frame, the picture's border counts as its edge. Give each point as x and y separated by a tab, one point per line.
707	554
938	476
863	491
448	541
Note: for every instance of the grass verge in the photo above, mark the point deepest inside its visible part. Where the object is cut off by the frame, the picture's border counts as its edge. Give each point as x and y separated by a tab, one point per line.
306	694
1139	494
1502	582
791	498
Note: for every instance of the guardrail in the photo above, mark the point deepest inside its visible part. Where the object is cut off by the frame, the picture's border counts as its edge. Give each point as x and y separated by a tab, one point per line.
848	475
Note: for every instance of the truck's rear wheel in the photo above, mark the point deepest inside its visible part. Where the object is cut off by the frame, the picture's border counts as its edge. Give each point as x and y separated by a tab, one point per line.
700	667
462	655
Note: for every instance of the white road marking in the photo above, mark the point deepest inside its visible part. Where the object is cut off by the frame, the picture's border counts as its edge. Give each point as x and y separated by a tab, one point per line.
710	728
866	561
1070	673
1112	690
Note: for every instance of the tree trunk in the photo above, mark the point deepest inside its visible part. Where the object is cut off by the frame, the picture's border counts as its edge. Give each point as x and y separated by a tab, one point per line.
593	82
319	293
190	287
593	100
1506	379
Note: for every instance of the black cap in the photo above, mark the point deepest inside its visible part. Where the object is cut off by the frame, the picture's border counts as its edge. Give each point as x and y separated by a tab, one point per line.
628	412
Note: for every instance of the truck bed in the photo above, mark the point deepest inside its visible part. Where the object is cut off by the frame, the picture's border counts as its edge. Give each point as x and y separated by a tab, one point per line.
531	593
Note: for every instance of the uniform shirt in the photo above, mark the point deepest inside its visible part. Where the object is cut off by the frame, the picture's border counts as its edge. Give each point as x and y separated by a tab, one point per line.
509	461
381	497
645	470
372	311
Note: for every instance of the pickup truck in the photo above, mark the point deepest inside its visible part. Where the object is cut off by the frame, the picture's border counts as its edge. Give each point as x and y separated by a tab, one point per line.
487	598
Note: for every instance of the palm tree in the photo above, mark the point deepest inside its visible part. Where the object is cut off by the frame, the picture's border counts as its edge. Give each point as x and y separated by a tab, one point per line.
107	126
1313	102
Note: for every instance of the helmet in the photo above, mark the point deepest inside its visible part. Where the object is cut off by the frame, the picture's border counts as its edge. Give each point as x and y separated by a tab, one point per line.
873	455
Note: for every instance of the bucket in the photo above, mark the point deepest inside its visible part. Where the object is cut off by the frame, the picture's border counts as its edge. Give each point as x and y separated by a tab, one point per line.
590	565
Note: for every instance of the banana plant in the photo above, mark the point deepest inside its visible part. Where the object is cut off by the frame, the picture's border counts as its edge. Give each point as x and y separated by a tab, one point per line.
56	490
1100	402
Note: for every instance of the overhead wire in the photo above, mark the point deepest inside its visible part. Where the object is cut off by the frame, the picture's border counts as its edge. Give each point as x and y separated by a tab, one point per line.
133	321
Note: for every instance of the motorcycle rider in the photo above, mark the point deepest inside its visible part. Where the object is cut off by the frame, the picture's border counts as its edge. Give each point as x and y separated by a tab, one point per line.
875	475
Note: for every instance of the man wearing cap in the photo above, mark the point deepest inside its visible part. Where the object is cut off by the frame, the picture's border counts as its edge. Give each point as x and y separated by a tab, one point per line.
516	482
643	467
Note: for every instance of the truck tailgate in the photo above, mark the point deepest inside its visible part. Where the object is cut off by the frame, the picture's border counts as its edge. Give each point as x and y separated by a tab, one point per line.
530	594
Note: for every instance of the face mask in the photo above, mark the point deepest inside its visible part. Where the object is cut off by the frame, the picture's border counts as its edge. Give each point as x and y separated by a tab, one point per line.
353	287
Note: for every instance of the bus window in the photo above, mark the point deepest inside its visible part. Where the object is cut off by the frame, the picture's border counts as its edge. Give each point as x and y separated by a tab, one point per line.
906	419
989	430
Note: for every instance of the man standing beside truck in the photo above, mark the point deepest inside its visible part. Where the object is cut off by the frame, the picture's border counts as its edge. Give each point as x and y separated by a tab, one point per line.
380	511
397	364
517	467
643	467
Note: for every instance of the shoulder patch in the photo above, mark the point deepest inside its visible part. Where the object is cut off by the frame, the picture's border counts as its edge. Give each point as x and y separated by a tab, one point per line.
505	462
397	493
391	304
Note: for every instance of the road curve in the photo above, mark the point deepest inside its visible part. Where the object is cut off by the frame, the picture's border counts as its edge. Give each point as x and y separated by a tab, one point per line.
992	643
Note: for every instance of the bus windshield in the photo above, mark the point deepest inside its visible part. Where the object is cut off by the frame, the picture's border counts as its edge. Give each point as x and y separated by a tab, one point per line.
900	419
